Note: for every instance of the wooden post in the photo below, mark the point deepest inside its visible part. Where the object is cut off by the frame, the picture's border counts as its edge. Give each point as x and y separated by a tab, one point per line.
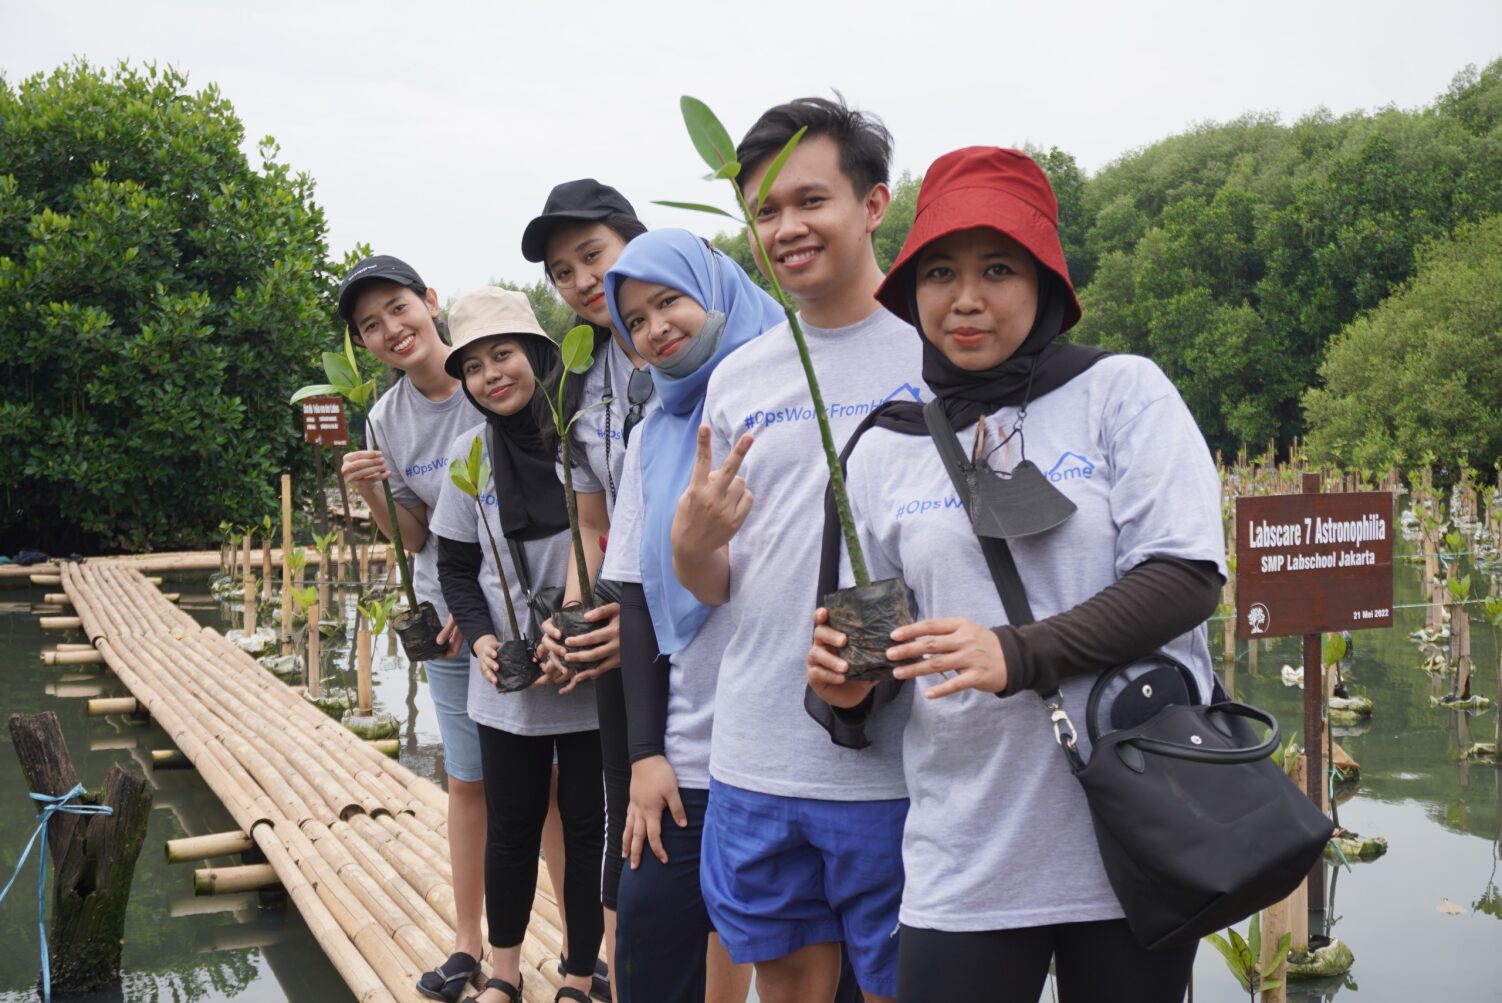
286	645
1314	713
348	539
266	567
1275	923
362	665
314	639
250	604
321	506
93	858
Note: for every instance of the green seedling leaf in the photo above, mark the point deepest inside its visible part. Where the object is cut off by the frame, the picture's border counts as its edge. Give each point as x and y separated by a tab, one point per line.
731	170
1454	540
297	560
349	354
1280	958
1460	588
578	349
472	471
1242	951
709	137
304	598
339	371
314	390
360	396
699	207
1334	649
776	168
1254	939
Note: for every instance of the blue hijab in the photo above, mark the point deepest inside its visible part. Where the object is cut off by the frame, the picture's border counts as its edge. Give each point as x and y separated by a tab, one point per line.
668	438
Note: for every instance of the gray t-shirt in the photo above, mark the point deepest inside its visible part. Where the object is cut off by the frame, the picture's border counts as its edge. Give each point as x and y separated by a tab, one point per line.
540	710
414	434
696	668
999	834
599	431
763	739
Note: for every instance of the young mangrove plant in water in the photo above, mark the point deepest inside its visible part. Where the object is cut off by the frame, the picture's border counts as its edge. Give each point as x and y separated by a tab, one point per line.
868	612
418	626
1244	957
517	669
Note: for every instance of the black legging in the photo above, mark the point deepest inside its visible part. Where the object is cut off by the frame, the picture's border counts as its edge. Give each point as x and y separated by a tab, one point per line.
517	770
611	697
1094	962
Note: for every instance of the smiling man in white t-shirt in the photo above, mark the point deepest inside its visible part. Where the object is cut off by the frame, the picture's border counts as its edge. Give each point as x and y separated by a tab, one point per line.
802	841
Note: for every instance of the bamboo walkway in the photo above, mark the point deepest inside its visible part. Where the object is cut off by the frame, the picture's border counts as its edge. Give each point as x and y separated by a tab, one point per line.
358	840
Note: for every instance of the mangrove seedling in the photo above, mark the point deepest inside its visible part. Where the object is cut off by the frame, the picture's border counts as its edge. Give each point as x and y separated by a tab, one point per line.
868	612
578	356
418	626
1244	957
517	669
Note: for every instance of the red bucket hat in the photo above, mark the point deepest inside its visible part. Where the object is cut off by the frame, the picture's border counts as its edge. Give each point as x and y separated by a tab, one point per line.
1005	190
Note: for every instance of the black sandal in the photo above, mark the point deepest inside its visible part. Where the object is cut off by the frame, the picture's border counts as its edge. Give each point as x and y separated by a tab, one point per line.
570	993
599	989
446	982
515	992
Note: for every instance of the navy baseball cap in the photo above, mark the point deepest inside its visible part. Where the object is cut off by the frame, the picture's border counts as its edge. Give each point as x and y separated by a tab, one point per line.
377	267
582	201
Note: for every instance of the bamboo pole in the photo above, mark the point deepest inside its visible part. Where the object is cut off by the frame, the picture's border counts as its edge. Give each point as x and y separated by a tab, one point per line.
313	666
59	622
102	706
169	759
286	639
46	579
214	844
266	567
241	878
363	688
90	657
56	598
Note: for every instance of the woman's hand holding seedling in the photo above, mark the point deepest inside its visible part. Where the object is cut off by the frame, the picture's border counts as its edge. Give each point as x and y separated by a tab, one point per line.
487	652
950	644
452	638
826	669
364	469
709	513
603	645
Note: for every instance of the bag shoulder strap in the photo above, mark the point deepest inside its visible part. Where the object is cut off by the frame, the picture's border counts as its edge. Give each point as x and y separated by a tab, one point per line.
523	570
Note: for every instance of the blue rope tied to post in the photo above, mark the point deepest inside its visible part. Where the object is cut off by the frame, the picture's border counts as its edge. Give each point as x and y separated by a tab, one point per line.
52	805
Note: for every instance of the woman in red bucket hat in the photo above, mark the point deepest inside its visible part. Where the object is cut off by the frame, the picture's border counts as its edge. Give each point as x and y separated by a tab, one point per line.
1091	468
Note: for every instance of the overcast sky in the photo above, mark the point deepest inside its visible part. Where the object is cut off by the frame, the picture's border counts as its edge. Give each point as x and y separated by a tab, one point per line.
434	130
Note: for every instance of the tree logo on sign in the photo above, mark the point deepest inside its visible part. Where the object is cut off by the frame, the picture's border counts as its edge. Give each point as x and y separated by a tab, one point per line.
1257	618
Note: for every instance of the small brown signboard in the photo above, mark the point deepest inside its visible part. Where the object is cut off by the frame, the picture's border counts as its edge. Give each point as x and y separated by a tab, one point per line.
323	421
1313	563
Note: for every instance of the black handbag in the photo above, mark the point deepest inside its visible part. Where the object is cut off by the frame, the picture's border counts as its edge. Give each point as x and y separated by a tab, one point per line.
541	603
1197	827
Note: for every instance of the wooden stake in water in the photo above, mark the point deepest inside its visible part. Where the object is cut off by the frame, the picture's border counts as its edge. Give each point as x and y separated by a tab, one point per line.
1314	739
266	567
315	616
362	665
246	561
250	605
286	646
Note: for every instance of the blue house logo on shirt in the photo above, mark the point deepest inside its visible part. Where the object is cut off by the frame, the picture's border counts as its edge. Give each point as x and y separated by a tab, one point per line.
1071	467
836	409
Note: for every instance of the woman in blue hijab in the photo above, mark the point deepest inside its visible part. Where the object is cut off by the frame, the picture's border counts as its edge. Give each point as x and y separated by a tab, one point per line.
685	306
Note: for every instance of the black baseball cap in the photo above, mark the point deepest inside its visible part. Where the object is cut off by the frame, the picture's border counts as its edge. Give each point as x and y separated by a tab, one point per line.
582	201
377	267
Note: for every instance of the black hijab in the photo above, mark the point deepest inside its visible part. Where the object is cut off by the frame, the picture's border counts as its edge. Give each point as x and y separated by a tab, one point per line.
1040	365
524	476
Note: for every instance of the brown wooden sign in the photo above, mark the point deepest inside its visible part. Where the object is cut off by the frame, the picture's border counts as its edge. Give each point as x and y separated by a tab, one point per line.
323	421
1313	563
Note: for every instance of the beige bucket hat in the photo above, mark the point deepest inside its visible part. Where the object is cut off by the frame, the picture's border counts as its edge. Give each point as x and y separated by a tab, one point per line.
485	313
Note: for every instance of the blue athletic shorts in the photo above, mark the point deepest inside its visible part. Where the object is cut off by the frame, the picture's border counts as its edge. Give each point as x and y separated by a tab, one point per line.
448	685
780	873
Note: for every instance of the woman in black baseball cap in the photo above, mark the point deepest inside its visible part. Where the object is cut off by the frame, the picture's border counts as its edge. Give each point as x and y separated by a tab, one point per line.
583	227
393	314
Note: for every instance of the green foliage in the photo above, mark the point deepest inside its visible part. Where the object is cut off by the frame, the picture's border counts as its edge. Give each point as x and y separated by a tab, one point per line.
1332	649
304	598
296	559
1244	957
1460	587
377	611
470	473
156	291
1421	375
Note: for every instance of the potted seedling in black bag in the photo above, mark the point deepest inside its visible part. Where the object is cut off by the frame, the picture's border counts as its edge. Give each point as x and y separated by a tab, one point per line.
417	625
867	612
517	669
578	356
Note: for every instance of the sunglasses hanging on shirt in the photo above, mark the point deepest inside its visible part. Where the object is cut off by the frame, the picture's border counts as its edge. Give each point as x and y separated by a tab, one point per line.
1006	506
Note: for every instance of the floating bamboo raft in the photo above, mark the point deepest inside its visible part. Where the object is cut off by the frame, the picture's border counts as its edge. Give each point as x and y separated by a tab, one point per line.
169	563
358	840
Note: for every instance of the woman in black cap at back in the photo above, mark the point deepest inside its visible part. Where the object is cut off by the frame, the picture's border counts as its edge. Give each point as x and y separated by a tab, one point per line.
583	227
